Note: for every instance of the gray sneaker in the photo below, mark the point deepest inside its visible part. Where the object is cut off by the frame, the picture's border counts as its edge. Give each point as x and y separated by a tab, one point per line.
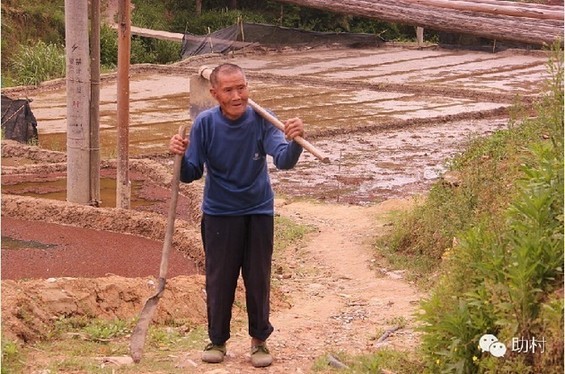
214	354
260	356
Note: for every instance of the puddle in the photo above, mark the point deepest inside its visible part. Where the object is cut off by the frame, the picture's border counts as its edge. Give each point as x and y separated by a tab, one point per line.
146	139
9	243
56	189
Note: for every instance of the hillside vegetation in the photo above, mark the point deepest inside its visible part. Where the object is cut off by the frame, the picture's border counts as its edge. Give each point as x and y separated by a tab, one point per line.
33	33
497	239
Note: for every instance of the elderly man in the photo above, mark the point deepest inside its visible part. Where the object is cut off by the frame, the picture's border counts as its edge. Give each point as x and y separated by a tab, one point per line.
233	141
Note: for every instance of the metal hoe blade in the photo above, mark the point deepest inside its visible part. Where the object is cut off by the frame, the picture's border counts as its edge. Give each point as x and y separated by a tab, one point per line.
200	97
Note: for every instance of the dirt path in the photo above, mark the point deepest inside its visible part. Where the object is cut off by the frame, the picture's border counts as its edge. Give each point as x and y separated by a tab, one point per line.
332	295
341	299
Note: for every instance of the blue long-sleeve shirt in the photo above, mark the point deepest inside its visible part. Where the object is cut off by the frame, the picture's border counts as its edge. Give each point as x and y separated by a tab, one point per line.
234	152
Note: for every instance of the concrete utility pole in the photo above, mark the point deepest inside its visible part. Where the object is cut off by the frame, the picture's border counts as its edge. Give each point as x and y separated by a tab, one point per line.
78	98
95	103
123	186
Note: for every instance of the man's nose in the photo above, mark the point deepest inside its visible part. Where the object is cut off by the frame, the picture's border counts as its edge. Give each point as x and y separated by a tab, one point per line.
236	94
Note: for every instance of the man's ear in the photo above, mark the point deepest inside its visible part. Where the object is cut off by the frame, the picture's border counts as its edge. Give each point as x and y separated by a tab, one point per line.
213	93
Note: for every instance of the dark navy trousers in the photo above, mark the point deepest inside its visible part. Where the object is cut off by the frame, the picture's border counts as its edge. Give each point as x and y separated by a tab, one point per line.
233	244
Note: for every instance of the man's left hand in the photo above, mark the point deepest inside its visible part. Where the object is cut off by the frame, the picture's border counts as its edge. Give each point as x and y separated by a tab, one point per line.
293	127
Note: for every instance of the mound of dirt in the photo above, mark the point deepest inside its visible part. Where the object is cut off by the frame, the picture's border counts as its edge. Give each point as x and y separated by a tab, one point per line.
30	308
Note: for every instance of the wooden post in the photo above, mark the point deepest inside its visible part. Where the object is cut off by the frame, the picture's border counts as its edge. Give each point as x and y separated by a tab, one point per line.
198	8
78	97
420	36
95	103
123	187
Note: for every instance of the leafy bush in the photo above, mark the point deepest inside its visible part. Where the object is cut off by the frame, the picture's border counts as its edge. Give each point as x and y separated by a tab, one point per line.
505	275
39	62
167	51
150	14
108	46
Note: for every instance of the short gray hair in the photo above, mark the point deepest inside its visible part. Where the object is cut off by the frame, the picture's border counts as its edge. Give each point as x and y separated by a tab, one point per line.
224	68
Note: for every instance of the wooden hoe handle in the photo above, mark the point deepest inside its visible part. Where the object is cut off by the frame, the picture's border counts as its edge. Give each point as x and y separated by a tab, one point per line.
205	72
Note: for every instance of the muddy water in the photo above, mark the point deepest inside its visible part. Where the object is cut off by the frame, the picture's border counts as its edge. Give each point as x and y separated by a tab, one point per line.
57	190
383	141
11	243
369	167
322	109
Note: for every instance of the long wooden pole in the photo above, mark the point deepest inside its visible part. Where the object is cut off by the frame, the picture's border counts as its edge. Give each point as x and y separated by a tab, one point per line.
205	73
123	187
95	103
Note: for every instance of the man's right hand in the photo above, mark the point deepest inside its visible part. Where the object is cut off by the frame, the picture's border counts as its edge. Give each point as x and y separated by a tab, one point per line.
178	145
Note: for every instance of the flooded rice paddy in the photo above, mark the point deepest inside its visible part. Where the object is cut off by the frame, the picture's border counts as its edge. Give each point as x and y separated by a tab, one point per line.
389	118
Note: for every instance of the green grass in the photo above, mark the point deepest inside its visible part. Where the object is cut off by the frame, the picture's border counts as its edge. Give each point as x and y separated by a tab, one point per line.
288	232
12	357
383	359
38	63
78	344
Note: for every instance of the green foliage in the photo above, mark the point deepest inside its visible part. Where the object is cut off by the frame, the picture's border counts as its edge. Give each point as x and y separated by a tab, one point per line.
180	17
505	275
150	14
38	63
139	52
101	330
154	51
108	46
166	51
27	22
91	329
142	50
11	357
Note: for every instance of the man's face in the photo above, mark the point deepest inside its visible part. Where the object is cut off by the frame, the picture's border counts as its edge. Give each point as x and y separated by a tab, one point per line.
231	93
